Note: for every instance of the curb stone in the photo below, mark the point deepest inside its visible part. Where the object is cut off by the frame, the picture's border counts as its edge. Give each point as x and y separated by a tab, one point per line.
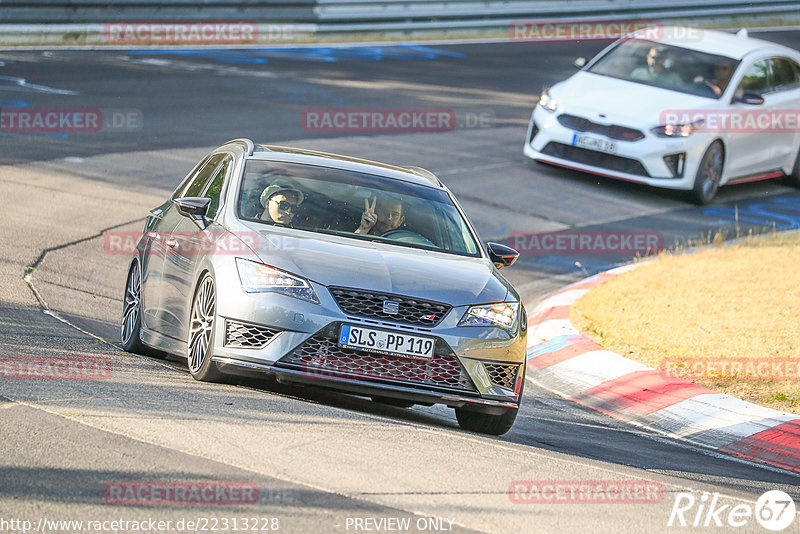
561	359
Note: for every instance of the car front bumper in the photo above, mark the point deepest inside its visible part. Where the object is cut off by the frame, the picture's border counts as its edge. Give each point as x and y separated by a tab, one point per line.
295	341
641	161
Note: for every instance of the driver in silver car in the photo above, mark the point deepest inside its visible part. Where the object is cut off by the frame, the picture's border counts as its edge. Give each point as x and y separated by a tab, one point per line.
381	217
280	201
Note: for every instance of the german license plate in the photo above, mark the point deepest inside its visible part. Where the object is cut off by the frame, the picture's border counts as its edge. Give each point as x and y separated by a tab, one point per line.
385	342
594	143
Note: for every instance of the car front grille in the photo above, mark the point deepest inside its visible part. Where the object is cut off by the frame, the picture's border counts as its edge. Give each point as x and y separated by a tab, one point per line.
371	304
613	131
502	374
321	357
247	336
595	158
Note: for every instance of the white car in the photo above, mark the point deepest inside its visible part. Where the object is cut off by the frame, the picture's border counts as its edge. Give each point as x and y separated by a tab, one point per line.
664	110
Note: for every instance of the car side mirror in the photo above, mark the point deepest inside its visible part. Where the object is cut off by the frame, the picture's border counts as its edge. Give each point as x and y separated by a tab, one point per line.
751	99
579	62
193	207
501	255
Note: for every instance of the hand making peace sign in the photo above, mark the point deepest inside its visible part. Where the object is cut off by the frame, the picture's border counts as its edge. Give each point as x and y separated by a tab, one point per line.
368	218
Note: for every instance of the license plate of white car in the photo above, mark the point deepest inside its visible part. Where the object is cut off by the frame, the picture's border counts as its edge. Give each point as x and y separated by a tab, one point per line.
385	342
594	143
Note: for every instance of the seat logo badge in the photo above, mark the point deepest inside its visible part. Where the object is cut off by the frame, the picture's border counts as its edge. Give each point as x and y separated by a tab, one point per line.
391	307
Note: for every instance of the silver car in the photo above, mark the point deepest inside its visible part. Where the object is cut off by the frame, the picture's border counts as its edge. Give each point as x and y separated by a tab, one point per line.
332	271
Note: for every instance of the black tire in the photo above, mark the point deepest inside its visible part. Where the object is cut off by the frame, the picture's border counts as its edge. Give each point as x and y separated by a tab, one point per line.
399	403
709	174
484	423
131	323
793	179
201	332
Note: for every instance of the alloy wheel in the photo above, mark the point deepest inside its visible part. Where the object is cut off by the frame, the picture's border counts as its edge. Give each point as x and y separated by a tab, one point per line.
131	306
201	325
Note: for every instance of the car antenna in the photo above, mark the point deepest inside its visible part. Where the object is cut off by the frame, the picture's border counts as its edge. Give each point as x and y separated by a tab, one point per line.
742	34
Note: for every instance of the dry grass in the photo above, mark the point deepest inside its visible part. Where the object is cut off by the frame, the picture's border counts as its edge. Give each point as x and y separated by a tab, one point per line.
736	302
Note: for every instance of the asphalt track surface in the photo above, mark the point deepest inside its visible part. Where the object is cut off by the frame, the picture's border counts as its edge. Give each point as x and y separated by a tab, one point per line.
320	460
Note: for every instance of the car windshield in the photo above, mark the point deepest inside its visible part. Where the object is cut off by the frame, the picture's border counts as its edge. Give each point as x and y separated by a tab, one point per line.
333	201
668	67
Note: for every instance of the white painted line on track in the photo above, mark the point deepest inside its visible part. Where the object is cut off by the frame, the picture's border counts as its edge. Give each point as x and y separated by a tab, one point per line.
565	298
594	368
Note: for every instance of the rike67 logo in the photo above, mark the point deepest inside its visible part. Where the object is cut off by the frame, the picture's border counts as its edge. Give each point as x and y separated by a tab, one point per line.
774	510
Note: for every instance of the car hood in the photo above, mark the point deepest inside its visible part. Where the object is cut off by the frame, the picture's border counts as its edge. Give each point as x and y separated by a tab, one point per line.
340	261
622	102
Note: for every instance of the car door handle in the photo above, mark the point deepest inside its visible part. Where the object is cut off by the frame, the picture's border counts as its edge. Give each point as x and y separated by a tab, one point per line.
153	235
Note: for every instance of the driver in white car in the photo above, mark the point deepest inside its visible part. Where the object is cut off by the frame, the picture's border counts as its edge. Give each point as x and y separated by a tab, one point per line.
381	217
657	69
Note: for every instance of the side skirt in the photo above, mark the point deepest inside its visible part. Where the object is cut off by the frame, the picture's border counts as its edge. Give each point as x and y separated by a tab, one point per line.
161	342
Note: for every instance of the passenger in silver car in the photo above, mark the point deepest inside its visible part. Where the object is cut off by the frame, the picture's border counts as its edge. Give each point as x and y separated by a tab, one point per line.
381	217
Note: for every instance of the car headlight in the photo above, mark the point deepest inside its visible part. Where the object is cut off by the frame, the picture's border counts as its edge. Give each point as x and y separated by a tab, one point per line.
503	315
548	102
259	278
677	130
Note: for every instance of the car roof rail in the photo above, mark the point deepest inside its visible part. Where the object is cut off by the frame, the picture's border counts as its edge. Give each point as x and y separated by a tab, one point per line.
423	173
248	144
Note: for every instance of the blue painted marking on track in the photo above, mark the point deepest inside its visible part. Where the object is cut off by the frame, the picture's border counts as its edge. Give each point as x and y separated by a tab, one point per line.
557	343
312	53
771	213
435	52
11	103
566	263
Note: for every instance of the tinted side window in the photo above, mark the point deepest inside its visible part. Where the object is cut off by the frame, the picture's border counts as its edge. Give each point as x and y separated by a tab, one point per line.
189	177
202	177
214	189
784	74
756	78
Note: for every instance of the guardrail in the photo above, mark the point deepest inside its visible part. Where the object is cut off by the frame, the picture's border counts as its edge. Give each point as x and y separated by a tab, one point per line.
83	22
353	10
387	12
